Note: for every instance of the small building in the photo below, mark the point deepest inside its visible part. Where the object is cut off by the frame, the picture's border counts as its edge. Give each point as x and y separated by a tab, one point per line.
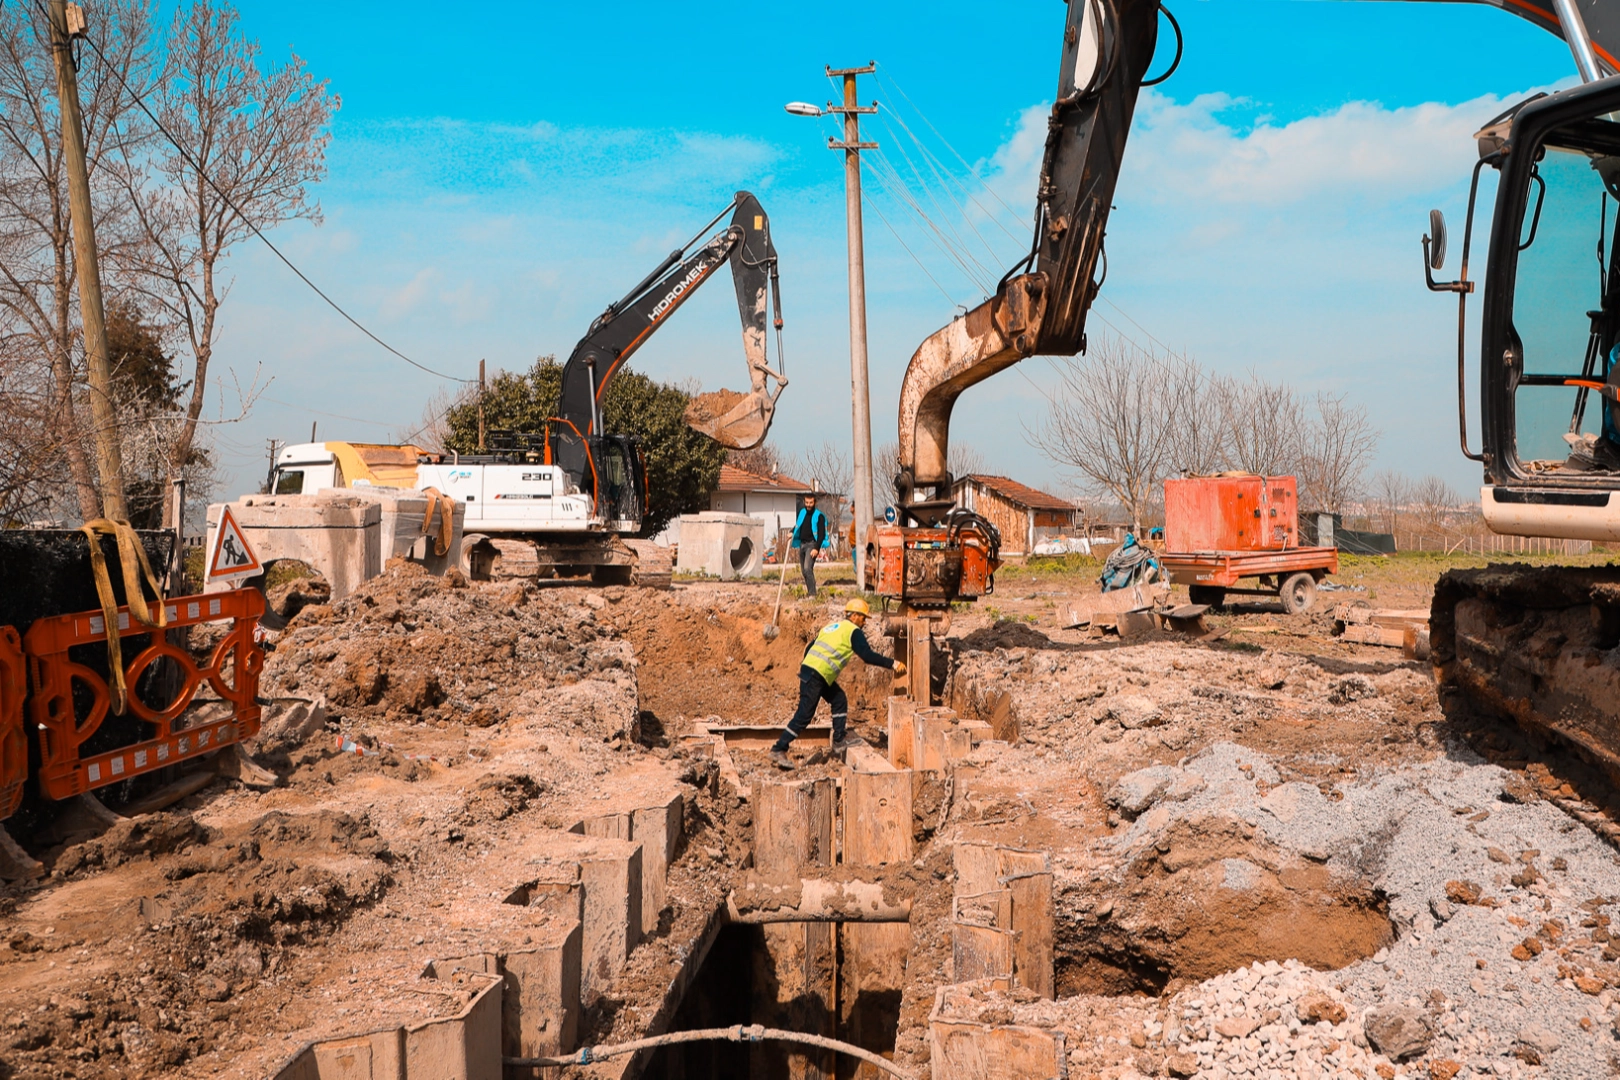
774	500
1024	515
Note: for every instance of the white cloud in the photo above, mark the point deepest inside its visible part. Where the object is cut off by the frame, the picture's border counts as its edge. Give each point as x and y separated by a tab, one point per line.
412	295
1179	151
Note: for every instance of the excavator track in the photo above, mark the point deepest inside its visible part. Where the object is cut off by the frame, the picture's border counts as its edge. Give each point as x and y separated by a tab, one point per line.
1538	648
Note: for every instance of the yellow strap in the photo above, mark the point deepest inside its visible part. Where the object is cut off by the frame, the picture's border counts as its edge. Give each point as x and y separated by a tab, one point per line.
446	507
130	552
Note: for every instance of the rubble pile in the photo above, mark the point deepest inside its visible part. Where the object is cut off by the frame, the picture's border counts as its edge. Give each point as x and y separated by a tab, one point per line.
408	647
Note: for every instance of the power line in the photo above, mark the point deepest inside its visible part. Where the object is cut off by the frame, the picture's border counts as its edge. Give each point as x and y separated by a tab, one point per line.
248	221
973	172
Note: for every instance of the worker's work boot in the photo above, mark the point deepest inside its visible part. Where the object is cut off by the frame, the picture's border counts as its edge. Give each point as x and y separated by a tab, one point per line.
845	741
780	759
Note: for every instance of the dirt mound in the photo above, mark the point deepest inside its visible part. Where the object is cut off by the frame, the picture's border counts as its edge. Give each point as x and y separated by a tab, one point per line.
1210	897
132	838
411	647
223	907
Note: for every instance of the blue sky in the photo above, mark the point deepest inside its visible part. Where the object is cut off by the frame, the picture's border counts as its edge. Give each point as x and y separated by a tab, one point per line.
495	181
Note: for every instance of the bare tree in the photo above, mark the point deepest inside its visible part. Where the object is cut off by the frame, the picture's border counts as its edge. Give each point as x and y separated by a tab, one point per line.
963	459
42	346
827	469
761	460
1197	414
1432	502
1109	422
254	140
1337	445
1264	423
1390	492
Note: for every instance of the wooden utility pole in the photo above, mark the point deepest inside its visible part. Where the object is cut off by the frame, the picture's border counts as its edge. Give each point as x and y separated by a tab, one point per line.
480	406
67	22
860	385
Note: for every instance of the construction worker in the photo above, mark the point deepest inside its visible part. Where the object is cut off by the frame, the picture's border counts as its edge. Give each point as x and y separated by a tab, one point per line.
818	677
810	535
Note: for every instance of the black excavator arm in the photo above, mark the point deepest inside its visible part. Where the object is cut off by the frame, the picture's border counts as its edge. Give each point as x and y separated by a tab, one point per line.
735	420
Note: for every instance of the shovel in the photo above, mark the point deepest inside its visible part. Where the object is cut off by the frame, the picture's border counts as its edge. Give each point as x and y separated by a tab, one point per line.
770	630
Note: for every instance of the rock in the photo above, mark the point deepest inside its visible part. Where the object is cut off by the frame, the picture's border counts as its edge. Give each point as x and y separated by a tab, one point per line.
1237	1027
1137	1036
1444	1069
1397	1031
1443	909
1586	984
1182	1064
1351	688
1133	711
1517	788
1287	801
1137	791
1272	679
1463	892
1538	1038
212	988
1316	1007
1185	786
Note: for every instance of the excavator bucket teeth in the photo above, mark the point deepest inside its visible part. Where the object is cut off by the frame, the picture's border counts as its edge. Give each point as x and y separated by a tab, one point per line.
737	421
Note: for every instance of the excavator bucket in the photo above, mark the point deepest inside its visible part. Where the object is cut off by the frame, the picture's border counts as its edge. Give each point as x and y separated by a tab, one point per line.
737	421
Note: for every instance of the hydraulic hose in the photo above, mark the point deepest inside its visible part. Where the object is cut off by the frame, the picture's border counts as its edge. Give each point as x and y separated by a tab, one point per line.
735	1033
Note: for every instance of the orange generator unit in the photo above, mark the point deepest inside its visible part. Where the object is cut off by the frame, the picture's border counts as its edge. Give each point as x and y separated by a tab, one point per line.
1231	513
1221	530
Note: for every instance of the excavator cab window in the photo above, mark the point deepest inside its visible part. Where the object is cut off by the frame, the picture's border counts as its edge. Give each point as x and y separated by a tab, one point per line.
617	468
1565	302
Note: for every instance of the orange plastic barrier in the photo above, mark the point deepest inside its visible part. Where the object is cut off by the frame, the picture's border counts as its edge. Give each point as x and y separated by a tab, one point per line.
13	737
63	773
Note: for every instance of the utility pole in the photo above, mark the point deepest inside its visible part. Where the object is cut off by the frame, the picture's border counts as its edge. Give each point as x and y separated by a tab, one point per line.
480	406
860	397
67	22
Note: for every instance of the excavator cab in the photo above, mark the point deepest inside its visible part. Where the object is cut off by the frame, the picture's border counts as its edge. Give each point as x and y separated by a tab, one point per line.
1548	378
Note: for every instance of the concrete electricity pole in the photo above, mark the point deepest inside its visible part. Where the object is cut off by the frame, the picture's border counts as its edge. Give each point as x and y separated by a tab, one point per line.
861	397
67	22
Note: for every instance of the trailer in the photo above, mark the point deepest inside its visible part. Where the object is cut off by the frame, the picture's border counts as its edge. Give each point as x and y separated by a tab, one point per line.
1221	530
1291	575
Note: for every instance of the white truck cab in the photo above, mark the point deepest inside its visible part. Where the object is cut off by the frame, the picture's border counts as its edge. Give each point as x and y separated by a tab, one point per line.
499	497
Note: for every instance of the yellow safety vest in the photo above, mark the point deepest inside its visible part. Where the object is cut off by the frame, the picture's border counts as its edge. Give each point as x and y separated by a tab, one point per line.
831	650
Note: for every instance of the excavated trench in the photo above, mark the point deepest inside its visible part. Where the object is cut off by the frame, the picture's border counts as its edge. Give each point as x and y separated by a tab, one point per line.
842	982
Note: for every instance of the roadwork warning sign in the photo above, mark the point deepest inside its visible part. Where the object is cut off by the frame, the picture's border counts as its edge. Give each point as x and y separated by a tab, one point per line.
232	558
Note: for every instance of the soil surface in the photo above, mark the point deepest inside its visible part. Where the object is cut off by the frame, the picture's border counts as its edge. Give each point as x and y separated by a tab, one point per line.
1264	839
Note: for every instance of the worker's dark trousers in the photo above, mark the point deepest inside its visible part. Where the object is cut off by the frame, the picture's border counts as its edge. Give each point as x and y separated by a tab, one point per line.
807	567
812	688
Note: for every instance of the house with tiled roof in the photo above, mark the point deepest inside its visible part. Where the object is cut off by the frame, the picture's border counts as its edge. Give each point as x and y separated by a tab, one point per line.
1025	515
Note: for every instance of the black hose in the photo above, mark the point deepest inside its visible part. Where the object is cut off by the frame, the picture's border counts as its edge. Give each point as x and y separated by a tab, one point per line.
1180	44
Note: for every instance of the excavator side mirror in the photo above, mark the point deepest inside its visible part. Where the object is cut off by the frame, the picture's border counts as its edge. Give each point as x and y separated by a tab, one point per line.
1437	239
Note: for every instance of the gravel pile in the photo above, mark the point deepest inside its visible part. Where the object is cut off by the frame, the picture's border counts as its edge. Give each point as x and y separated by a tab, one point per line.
1500	904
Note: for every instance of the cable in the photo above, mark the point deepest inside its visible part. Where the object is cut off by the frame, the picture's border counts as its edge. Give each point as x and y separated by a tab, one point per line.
735	1033
248	221
971	170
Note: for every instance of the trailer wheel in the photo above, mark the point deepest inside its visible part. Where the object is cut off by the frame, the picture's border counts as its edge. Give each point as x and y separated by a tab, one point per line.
1213	595
1298	593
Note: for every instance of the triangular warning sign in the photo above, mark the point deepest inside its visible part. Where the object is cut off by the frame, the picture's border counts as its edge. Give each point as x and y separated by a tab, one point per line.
232	557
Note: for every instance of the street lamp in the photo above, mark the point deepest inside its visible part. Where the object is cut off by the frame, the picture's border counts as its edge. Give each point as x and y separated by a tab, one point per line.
860	389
